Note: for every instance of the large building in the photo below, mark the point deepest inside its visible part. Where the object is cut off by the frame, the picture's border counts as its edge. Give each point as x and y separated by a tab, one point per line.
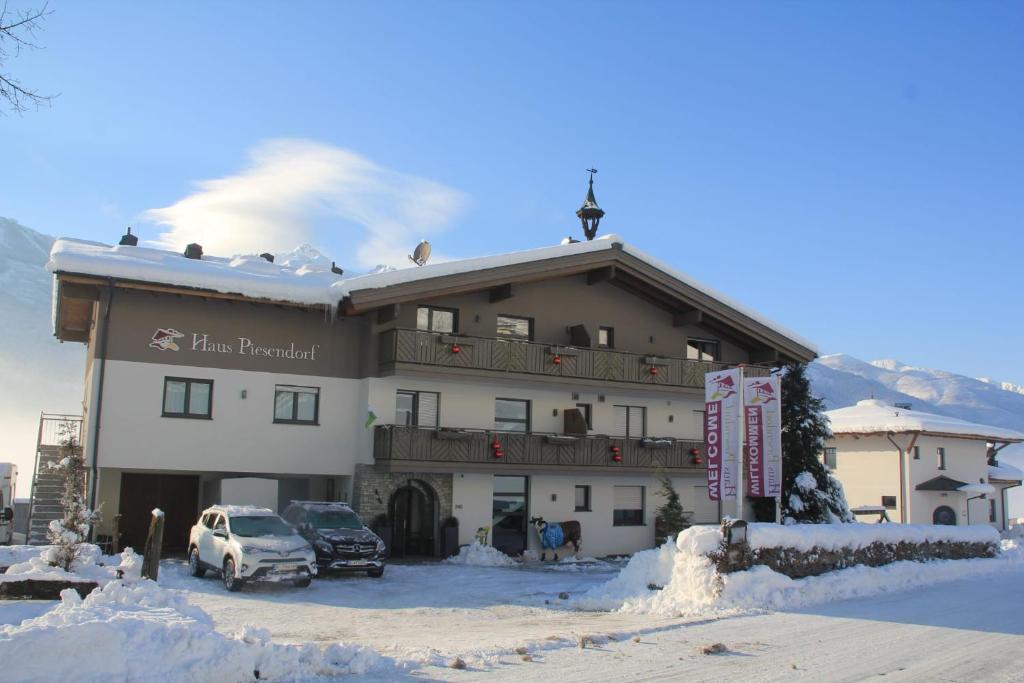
557	382
919	467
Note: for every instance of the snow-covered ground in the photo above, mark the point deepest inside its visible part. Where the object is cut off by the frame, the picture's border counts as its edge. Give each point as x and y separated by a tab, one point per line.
954	620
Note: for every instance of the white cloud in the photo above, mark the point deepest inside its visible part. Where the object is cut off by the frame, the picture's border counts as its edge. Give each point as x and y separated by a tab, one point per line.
294	191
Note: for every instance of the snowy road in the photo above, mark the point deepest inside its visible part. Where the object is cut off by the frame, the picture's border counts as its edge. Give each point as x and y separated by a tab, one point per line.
964	630
961	630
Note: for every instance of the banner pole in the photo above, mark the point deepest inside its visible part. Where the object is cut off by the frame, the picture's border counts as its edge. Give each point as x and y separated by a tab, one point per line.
739	453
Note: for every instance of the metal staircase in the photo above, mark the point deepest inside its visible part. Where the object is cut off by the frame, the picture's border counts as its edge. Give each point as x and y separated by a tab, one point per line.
47	485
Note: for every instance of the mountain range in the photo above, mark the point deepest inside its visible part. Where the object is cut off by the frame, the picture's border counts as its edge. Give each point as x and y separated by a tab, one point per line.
41	374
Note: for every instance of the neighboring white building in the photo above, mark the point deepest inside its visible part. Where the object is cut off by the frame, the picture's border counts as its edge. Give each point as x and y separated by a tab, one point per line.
489	390
920	467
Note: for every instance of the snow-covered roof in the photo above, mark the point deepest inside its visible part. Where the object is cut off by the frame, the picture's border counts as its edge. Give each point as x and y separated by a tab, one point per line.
1004	472
246	275
314	284
873	416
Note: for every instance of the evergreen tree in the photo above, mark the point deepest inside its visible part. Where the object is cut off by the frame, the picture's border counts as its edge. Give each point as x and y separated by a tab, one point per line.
669	518
66	535
810	494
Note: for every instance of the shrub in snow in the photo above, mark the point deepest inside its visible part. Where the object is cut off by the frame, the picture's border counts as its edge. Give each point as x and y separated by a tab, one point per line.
67	534
478	555
669	518
810	494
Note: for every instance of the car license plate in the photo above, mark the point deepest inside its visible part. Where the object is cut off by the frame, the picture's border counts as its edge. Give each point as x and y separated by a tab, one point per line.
286	569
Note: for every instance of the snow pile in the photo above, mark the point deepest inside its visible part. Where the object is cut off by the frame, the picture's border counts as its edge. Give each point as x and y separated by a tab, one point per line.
16	554
694	587
479	555
143	632
1005	472
91	565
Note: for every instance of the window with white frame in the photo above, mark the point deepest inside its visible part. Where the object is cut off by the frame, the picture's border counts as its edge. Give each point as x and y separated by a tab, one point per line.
628	506
417	408
630	422
940	453
830	457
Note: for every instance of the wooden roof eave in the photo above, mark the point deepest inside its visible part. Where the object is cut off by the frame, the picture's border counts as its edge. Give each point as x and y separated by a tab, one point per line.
945	435
687	296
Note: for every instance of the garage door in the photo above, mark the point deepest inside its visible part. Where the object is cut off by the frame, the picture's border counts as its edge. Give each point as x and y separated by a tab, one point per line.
177	495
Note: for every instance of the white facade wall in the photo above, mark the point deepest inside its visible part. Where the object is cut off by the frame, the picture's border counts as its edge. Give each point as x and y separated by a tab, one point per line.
242	436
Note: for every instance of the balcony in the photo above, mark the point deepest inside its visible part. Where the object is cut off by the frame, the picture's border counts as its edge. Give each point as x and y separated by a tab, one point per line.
504	357
401	447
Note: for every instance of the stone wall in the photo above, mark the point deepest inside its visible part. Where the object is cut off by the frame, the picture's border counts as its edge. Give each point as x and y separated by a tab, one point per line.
372	490
798	564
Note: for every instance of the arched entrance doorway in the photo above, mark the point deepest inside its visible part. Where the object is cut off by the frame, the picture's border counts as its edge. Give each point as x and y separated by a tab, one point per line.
944	515
413	513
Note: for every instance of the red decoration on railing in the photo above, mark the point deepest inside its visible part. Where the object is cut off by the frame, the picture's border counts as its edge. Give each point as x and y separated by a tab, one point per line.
617	458
456	348
495	444
557	360
694	451
616	453
697	460
654	370
499	453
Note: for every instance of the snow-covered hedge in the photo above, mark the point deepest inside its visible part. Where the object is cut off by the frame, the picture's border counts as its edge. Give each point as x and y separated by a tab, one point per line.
479	555
681	578
802	550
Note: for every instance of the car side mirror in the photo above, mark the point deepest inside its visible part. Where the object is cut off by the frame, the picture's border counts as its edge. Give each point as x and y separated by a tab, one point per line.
8	515
220	533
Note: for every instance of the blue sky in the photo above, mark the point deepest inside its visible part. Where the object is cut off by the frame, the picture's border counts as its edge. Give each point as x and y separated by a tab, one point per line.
852	170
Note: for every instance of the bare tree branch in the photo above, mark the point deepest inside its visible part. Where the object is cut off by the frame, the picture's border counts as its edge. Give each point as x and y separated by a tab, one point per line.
18	30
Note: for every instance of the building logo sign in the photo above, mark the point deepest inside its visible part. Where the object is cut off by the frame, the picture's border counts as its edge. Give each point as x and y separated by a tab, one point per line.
723	386
163	339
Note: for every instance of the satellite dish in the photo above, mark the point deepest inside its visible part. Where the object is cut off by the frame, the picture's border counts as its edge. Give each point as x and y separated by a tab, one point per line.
421	253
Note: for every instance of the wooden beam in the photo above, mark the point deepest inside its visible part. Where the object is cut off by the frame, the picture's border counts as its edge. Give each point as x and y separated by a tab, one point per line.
75	290
764	356
500	293
387	313
684	318
600	275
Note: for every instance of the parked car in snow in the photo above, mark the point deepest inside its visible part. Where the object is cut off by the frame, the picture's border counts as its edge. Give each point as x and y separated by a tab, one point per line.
341	541
249	544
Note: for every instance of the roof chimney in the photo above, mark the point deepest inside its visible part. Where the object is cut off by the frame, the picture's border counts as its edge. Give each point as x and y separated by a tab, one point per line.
267	256
194	251
128	239
336	270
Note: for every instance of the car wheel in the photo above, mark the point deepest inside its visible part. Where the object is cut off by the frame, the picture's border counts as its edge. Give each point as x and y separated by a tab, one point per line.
195	567
231	582
303	583
375	573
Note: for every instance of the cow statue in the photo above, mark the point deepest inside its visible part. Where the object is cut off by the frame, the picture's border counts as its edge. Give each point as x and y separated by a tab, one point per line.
553	535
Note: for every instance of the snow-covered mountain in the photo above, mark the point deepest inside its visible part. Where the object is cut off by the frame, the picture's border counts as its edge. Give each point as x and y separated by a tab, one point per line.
39	373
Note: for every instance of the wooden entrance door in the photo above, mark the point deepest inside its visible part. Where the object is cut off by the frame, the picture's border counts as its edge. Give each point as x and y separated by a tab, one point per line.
176	494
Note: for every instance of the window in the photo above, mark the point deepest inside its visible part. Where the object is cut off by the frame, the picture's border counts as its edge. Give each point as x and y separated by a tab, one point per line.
582	499
511	415
917	452
515	327
297	405
941	452
417	408
629	506
435	319
702	349
830	458
630	421
889	502
606	337
588	413
218	523
187	397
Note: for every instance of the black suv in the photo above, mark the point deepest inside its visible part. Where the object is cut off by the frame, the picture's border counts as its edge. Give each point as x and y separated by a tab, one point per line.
341	541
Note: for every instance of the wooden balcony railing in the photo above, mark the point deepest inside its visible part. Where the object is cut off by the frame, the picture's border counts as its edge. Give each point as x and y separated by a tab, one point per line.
533	449
536	358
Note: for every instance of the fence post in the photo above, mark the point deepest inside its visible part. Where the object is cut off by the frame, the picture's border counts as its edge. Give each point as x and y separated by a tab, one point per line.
154	542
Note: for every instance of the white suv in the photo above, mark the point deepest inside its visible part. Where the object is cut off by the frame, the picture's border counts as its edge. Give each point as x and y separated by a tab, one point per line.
248	544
